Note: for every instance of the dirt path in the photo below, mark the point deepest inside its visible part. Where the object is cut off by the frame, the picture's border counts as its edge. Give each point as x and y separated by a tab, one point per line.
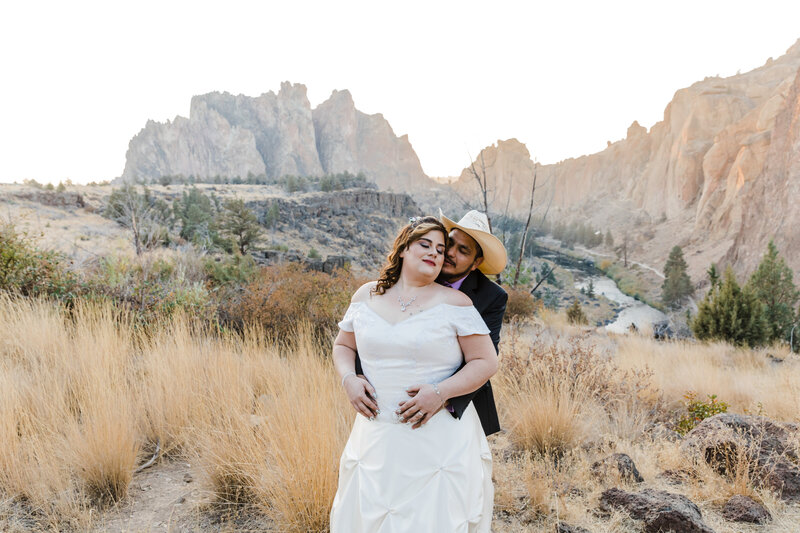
164	497
168	498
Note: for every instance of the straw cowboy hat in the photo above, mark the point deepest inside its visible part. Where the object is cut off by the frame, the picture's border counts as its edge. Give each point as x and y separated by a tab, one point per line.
476	225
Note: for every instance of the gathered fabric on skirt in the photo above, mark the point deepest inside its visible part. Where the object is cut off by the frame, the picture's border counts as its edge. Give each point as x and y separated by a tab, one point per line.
394	479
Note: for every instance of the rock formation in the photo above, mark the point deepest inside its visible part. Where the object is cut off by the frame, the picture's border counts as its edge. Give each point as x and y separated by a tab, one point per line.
274	135
718	176
350	140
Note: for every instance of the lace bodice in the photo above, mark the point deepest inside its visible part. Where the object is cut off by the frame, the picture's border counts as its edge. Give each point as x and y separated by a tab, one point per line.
422	348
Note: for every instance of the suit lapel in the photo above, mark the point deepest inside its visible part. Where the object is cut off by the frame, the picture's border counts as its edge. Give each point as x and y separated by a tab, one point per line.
470	285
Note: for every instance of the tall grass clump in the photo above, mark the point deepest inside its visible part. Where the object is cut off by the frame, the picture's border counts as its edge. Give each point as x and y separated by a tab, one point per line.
68	426
276	441
85	391
554	393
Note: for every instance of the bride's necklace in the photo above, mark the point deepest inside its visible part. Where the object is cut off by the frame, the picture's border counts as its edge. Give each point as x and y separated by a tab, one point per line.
404	305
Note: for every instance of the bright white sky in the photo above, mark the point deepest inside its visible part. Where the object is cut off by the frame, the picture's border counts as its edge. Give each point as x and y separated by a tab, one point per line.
79	79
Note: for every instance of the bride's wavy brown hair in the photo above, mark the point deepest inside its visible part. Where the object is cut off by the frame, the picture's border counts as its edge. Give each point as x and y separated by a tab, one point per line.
410	233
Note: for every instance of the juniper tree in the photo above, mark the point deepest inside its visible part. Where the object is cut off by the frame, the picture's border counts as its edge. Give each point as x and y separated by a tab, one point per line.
713	275
773	286
731	313
575	314
677	286
240	224
196	213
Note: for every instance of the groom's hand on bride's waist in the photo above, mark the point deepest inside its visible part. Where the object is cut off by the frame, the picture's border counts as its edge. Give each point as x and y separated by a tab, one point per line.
362	395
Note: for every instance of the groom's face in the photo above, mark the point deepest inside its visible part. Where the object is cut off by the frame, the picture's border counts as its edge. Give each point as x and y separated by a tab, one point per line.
462	257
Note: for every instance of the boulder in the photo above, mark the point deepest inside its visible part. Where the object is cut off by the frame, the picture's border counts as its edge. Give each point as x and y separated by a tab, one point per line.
767	448
618	465
745	509
659	510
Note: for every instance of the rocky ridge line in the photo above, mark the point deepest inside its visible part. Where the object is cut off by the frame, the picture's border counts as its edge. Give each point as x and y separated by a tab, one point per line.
274	135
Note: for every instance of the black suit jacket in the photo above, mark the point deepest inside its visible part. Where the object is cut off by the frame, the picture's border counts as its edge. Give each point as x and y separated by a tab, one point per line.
490	301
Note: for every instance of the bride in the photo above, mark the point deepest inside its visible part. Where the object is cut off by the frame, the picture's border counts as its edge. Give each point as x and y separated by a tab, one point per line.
408	465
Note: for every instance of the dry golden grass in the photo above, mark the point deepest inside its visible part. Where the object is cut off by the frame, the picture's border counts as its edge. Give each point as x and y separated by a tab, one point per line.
750	381
85	396
558	392
568	397
69	425
84	393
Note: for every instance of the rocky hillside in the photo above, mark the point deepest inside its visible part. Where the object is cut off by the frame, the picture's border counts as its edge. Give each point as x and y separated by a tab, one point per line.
358	224
719	175
274	135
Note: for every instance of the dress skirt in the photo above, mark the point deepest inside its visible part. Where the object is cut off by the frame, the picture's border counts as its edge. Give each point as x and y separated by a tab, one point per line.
435	479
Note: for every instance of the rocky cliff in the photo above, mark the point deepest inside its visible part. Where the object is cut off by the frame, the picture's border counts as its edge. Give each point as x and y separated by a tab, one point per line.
348	139
274	135
718	176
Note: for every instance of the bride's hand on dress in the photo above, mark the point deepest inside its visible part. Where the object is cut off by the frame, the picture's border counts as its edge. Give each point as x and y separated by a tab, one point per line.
424	403
361	395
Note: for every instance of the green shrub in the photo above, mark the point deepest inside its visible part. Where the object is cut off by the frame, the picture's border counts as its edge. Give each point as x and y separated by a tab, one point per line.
230	270
731	313
699	410
151	288
197	214
29	271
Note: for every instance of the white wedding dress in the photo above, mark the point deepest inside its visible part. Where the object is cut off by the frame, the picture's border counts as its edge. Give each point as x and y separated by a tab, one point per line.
392	479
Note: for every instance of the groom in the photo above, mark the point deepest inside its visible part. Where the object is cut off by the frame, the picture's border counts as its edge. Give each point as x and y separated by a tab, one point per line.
474	252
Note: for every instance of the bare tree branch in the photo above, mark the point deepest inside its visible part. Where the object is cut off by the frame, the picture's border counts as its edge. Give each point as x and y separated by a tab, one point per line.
544	277
527	225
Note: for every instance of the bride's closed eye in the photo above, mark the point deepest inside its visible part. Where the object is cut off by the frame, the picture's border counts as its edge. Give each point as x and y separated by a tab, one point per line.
425	244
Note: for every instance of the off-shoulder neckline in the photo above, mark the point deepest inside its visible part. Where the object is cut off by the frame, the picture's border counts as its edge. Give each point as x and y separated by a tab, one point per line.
392	324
